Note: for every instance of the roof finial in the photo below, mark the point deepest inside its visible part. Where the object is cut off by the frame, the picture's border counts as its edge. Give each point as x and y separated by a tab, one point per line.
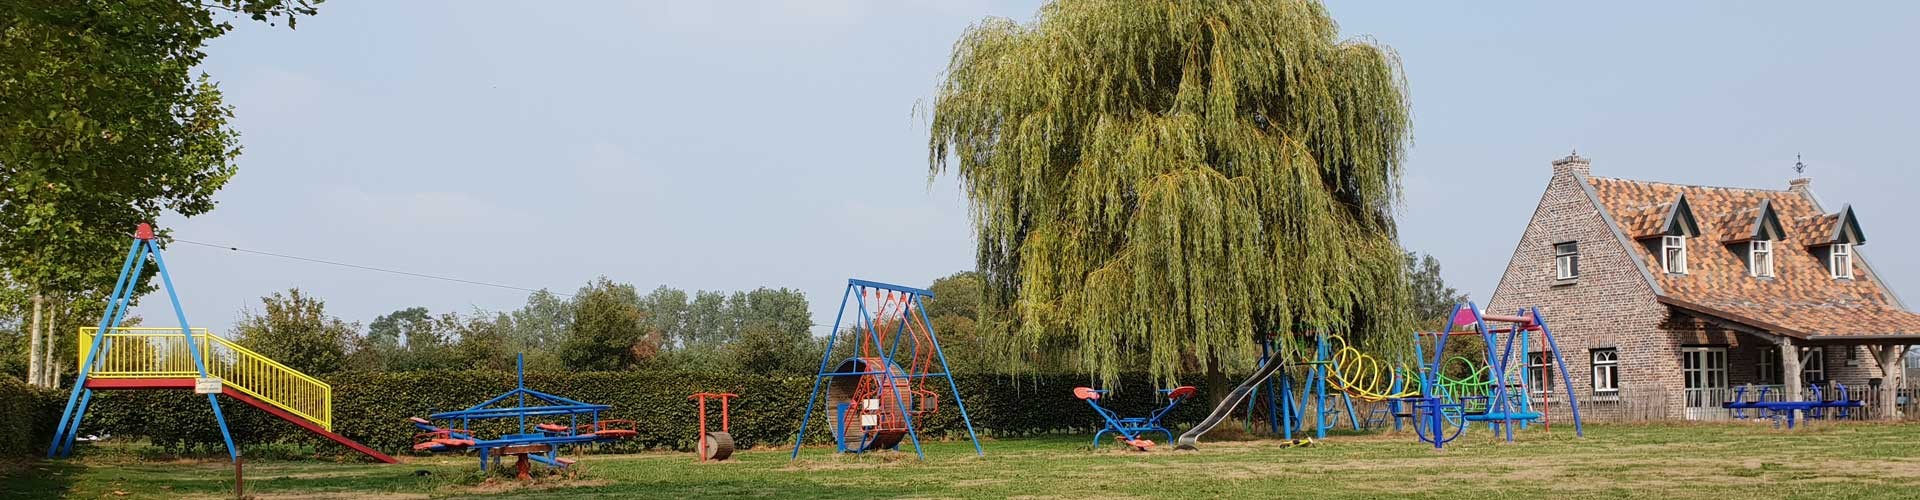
1799	167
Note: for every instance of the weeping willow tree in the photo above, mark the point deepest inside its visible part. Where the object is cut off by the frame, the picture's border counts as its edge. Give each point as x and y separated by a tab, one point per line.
1159	182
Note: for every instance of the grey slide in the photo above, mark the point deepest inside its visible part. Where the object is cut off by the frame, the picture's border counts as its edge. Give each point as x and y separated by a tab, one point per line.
1227	406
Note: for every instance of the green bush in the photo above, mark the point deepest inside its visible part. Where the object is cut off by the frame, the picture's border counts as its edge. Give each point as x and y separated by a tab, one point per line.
373	407
27	416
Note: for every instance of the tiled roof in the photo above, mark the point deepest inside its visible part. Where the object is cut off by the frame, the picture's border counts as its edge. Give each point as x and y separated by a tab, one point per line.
1803	299
1815	229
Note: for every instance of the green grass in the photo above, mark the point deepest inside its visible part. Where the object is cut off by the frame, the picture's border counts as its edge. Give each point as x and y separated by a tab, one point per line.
1720	462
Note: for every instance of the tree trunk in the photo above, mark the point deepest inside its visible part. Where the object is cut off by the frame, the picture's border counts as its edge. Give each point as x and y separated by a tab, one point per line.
1217	384
33	344
49	362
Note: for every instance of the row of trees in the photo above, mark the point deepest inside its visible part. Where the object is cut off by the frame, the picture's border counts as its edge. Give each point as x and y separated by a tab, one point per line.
607	325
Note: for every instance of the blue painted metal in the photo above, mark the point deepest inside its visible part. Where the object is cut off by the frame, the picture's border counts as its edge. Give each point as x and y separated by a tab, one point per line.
67	430
1503	410
865	326
548	405
1132	428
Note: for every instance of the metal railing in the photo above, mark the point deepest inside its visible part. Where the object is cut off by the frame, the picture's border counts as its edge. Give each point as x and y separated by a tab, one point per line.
147	353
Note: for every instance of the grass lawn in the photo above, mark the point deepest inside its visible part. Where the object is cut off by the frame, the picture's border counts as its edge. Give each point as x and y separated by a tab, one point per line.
1722	462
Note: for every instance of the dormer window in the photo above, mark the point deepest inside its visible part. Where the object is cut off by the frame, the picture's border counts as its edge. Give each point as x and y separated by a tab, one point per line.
1840	260
1760	258
1673	254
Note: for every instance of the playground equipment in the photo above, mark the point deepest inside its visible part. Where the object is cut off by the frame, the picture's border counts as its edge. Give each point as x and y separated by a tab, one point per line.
1814	406
1439	406
1130	430
1436	409
187	358
714	445
872	399
540	446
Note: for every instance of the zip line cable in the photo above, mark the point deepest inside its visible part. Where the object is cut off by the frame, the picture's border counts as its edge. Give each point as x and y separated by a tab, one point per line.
365	268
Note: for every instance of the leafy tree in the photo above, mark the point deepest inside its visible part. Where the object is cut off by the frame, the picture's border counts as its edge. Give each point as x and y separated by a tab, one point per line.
295	330
486	342
775	334
609	330
1432	298
667	310
955	313
1158	182
540	327
105	125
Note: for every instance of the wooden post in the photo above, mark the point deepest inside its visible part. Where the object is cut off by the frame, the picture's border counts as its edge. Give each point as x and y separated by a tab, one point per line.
239	481
1789	370
33	345
1889	358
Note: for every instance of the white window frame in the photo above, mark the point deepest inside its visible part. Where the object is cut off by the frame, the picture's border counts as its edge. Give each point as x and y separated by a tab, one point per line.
1670	260
1840	260
1813	365
1539	373
1760	252
1566	260
1606	370
1767	368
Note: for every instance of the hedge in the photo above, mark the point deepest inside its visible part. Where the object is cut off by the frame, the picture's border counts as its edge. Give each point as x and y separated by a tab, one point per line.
373	407
27	416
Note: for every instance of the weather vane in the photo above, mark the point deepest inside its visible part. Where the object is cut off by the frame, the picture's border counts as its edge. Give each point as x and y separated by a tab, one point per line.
1799	168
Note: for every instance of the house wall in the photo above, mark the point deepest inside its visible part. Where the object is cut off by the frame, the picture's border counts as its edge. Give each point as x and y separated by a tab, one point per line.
1611	304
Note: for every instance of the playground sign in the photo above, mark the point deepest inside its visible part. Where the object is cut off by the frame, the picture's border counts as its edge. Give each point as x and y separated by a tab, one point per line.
209	385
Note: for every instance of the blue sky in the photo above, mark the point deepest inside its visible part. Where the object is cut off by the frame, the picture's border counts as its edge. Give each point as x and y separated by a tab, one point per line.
736	144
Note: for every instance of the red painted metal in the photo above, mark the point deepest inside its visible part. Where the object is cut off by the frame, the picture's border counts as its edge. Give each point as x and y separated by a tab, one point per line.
109	384
143	232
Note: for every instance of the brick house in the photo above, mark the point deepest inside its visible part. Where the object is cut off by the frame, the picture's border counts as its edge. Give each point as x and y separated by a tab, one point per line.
1675	293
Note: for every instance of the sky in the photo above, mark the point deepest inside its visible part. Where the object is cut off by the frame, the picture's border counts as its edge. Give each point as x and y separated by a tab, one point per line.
730	145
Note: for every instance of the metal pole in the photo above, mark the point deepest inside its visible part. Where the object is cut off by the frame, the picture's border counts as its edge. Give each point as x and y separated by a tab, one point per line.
821	374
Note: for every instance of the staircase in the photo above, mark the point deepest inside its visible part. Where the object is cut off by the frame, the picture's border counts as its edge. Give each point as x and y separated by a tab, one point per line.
161	358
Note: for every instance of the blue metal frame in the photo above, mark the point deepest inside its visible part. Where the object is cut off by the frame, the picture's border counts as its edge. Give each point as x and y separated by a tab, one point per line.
554	406
864	329
124	288
1132	428
1503	412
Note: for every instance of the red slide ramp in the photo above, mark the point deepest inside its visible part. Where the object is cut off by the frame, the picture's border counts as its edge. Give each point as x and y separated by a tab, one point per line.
187	384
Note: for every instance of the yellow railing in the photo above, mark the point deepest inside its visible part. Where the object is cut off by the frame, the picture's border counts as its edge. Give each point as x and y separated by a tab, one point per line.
163	353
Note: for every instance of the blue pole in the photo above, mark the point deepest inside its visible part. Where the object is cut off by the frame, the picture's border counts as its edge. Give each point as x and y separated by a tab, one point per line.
68	416
198	363
820	375
1320	387
102	343
520	381
1573	403
948	372
1500	371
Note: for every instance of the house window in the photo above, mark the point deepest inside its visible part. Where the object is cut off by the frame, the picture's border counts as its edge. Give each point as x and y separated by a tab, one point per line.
1813	365
1767	369
1606	370
1760	258
1840	260
1539	373
1566	260
1673	254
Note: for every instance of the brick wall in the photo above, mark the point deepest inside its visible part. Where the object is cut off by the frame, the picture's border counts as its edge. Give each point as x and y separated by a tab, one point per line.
1609	305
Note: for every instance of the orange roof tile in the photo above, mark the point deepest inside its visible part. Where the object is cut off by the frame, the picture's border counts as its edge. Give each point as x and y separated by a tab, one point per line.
1802	299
